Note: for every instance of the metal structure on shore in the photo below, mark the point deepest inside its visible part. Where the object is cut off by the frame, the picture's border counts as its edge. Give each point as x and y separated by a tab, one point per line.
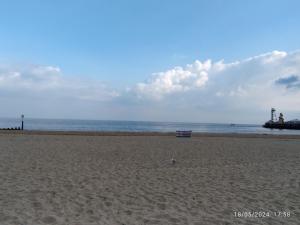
279	123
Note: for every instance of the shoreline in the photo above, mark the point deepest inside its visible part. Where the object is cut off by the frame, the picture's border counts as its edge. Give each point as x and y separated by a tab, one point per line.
145	133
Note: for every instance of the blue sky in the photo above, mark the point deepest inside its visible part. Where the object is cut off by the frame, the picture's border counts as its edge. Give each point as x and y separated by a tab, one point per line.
122	43
127	40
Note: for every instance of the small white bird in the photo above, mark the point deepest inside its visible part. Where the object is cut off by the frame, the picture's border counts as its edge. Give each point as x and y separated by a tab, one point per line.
173	161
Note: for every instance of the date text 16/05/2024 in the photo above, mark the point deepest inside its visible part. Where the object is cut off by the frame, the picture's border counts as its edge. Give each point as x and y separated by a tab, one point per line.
261	214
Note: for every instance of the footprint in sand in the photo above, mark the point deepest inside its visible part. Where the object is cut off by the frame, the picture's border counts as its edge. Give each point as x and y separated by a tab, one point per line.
161	206
37	205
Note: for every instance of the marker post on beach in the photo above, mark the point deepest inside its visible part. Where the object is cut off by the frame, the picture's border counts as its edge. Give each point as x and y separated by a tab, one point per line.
22	116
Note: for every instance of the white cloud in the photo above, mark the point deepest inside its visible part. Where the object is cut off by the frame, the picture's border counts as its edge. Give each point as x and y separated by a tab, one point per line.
230	79
175	80
48	81
244	86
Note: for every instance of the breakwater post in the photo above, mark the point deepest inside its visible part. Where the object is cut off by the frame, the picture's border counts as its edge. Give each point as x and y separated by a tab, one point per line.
22	127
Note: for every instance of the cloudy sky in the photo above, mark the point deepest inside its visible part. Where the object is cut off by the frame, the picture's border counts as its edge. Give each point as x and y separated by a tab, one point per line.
197	61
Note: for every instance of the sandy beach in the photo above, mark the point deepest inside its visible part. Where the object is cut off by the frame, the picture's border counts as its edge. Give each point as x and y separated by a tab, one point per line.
128	179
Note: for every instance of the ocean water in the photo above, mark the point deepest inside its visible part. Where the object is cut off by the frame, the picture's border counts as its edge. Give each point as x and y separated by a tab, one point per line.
136	126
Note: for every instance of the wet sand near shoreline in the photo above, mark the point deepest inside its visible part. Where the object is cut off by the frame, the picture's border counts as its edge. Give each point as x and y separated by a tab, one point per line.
125	178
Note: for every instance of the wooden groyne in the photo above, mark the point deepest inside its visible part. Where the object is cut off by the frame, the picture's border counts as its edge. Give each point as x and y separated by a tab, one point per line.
12	128
16	128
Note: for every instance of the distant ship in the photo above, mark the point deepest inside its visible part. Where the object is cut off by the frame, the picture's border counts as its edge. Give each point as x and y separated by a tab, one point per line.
280	123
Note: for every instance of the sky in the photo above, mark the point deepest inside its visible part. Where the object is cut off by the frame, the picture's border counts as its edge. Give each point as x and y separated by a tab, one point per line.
196	61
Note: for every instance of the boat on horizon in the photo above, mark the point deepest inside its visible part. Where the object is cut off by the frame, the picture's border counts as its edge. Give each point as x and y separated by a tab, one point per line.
280	123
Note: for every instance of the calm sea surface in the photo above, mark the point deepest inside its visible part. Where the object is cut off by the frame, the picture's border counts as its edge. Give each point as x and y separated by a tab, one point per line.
103	125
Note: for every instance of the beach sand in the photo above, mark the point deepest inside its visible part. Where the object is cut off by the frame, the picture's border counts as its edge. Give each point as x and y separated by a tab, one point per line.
122	178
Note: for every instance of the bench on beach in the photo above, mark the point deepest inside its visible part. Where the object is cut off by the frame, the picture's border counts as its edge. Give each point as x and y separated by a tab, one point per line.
183	133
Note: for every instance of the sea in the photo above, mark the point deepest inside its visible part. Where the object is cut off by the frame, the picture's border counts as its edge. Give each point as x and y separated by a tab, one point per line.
137	126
